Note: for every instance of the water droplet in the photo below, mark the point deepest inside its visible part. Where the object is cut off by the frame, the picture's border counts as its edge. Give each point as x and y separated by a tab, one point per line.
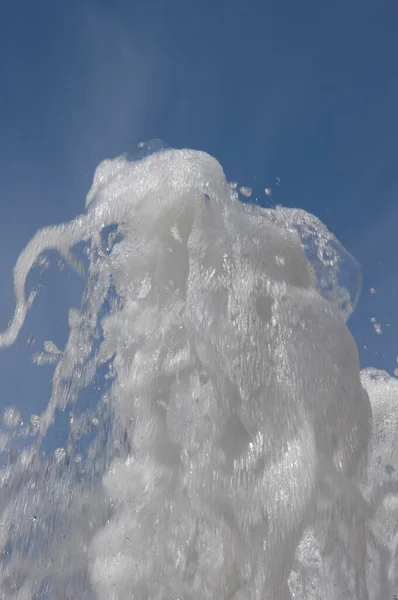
145	286
11	417
268	191
246	191
34	424
59	454
51	348
42	262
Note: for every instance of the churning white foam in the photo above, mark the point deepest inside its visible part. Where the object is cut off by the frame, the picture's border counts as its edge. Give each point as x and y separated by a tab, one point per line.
226	455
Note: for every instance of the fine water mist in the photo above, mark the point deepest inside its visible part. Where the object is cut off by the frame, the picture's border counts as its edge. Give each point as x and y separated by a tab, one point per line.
234	449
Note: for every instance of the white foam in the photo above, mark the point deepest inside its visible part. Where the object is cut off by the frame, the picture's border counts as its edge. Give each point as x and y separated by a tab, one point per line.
231	439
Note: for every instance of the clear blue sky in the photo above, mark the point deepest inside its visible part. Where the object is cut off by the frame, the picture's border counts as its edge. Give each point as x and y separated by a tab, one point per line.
305	91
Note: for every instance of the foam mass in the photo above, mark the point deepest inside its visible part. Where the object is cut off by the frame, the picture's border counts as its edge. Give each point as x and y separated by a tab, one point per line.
237	453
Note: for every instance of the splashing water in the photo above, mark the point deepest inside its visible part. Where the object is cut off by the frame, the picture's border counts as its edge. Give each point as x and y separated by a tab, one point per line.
233	453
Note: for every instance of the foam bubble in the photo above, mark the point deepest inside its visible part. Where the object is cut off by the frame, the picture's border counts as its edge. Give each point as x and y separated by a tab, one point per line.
226	456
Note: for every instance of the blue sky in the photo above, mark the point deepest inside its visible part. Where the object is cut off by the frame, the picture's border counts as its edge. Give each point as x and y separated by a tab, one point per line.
304	91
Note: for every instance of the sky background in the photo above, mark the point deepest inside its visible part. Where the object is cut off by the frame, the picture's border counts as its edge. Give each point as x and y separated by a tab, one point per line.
304	91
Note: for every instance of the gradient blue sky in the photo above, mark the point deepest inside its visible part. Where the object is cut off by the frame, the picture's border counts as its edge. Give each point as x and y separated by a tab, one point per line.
305	91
